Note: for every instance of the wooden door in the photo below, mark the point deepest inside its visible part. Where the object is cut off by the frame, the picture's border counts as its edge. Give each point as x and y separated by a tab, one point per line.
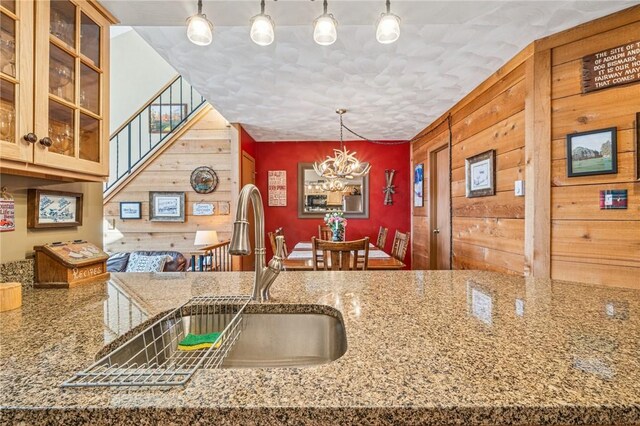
440	208
248	175
16	80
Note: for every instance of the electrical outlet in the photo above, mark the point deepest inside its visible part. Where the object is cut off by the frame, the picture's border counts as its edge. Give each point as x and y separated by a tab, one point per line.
519	188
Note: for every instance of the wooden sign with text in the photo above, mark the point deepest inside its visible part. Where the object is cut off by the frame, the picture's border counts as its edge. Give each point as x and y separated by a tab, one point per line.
611	67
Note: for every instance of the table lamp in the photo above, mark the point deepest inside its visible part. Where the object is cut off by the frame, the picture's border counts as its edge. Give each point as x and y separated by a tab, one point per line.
206	238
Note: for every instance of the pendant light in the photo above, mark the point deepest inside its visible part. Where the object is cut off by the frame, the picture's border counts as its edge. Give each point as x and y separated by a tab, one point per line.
388	27
344	164
199	28
262	28
324	28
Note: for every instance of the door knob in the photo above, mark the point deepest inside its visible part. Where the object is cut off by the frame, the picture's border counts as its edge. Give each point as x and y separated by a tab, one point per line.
30	137
46	142
436	231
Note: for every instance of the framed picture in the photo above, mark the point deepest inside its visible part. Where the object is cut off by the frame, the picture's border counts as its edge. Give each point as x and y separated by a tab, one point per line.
166	206
592	153
130	210
480	174
204	180
164	117
638	145
203	209
418	185
53	209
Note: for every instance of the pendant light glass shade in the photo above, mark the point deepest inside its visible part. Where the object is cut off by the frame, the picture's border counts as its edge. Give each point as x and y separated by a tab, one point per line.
325	32
388	29
262	30
200	30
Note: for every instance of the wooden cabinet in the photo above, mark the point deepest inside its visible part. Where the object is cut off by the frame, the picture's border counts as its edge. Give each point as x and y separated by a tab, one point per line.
54	98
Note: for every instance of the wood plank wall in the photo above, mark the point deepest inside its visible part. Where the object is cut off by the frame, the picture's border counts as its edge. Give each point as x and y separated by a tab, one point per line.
205	143
488	232
589	244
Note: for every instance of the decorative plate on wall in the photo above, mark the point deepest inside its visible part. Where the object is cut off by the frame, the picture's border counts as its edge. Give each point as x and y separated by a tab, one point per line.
204	180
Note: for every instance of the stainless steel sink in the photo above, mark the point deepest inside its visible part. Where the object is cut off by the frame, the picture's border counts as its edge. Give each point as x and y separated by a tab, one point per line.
287	340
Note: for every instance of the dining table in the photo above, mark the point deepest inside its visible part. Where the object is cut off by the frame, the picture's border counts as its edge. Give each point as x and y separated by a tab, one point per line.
301	259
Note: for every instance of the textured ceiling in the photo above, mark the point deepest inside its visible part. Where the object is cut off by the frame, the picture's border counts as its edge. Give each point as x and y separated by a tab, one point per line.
290	90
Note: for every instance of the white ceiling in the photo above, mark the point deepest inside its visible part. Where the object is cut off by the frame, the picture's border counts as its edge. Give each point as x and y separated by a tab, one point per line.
290	90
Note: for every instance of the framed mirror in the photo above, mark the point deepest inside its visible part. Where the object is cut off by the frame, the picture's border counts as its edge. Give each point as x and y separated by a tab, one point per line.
314	201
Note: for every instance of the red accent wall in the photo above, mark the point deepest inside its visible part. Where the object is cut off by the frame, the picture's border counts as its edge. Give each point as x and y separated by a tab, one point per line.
287	155
247	143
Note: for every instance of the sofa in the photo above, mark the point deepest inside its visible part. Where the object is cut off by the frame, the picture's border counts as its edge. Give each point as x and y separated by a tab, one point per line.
173	261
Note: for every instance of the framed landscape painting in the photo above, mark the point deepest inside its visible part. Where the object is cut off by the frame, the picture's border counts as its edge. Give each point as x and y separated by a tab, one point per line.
164	117
592	153
166	206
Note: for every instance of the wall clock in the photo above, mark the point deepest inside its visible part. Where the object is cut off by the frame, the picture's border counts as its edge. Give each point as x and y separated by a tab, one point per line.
204	180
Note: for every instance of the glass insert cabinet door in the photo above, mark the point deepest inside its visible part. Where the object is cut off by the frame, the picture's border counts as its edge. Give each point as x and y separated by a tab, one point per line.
315	200
16	80
70	80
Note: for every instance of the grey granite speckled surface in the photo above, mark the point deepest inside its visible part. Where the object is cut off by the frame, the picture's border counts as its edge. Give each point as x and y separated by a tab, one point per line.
21	271
458	347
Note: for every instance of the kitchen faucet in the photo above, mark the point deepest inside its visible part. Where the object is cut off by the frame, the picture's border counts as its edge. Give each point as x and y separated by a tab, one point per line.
265	275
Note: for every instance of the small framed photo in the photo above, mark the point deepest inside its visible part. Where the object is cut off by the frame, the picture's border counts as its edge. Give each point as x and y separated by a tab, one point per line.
53	209
418	185
592	153
203	209
480	174
166	206
130	210
165	117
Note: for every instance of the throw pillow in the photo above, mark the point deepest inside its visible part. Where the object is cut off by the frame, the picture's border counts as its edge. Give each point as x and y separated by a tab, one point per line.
142	263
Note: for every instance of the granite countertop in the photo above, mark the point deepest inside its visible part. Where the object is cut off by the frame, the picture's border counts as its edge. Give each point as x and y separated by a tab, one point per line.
446	347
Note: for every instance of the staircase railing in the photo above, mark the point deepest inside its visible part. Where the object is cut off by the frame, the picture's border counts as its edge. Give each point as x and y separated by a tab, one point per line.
149	127
214	258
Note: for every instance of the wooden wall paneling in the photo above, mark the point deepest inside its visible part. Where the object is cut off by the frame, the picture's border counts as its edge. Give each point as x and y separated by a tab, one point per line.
199	143
597	241
485	258
499	234
595	38
623	276
589	244
613	107
537	248
583	202
501	205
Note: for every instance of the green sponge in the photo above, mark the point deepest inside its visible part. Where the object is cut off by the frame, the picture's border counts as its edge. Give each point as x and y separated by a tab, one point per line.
199	339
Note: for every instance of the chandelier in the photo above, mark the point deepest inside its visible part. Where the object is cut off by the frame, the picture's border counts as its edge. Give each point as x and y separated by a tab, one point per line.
343	164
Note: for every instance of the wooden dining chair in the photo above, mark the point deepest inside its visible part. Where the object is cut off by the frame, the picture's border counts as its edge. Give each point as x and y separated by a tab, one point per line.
382	237
324	232
272	239
340	256
400	244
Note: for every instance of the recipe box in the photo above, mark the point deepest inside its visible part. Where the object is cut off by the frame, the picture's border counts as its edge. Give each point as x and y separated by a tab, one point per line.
67	264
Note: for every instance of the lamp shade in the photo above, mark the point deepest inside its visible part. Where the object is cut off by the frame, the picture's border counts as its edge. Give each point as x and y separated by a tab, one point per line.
388	29
262	30
324	30
206	238
200	30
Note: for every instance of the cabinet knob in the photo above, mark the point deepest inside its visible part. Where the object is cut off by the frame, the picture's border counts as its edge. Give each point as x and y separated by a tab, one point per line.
30	137
46	142
436	231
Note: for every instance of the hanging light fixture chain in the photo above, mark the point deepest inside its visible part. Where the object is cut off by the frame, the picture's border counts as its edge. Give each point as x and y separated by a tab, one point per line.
367	139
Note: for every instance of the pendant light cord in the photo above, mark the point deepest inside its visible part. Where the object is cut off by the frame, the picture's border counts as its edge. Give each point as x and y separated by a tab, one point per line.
325	4
199	7
262	7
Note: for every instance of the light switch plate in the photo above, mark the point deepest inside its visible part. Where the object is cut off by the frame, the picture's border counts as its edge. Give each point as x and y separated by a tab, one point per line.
519	188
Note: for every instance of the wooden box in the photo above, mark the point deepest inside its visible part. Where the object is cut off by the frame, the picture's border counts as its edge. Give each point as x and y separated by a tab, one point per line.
63	265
